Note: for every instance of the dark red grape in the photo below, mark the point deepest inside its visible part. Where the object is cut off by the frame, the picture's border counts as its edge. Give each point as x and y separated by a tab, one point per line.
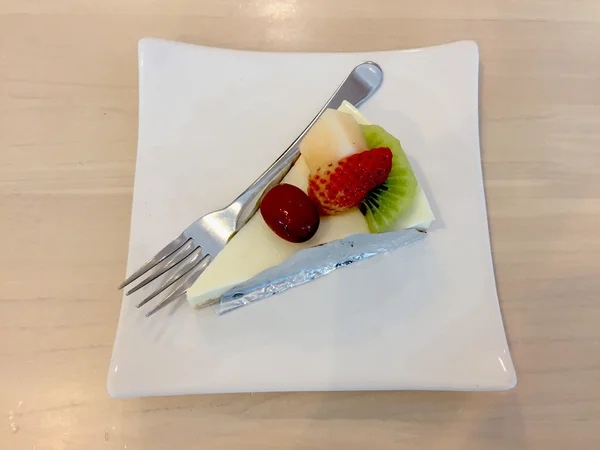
289	212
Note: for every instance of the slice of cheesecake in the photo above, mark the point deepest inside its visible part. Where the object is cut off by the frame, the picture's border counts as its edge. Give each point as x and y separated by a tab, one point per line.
255	248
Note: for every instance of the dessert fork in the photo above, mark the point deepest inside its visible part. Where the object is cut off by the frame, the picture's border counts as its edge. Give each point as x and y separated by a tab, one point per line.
188	255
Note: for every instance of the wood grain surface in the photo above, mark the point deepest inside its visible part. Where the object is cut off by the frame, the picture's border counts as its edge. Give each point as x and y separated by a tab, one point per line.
68	124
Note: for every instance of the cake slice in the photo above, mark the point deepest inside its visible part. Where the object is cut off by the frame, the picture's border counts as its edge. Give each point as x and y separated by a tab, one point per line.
256	248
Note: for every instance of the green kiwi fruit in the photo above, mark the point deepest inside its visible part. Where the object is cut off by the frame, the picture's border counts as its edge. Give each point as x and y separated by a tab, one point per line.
384	205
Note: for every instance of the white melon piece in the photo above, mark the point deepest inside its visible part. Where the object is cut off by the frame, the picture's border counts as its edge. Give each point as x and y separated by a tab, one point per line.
333	137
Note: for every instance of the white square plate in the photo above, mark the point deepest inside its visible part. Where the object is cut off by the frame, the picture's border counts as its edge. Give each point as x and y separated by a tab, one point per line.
424	317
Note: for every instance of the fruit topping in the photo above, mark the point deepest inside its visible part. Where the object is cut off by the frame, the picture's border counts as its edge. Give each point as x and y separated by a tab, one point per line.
384	205
333	137
342	185
290	213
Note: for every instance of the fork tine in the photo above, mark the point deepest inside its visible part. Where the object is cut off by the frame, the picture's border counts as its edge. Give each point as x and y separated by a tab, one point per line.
175	259
171	298
171	248
167	301
189	279
192	262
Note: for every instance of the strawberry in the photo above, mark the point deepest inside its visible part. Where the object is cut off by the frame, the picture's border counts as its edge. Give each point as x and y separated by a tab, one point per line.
342	185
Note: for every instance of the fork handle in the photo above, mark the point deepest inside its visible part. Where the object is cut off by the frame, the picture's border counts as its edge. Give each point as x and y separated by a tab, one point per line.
361	83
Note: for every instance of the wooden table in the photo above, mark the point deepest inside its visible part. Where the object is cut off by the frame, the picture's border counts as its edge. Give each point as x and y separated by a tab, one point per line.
68	124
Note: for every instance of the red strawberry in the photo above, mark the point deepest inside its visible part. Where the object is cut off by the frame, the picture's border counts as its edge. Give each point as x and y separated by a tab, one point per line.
343	185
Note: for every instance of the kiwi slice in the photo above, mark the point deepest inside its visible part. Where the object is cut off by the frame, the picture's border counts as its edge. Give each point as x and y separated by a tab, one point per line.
384	205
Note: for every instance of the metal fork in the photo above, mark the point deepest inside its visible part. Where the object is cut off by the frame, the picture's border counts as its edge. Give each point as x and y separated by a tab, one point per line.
188	255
